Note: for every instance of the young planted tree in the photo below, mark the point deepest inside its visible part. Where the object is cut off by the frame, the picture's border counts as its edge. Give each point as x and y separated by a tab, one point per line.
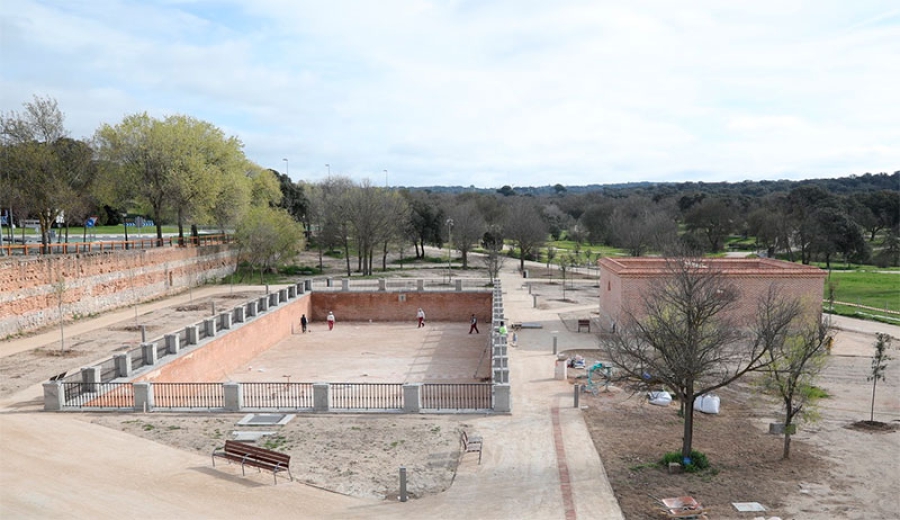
797	354
879	366
684	334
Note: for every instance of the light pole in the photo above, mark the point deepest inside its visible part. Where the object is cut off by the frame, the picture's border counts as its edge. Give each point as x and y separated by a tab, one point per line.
287	167
449	248
329	169
385	179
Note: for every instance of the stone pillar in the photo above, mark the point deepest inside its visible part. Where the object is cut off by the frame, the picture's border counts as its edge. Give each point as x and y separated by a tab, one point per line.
502	398
420	285
321	397
143	397
90	377
458	285
193	334
54	396
292	292
173	343
501	376
412	397
251	308
329	282
345	284
123	365
226	320
210	325
234	396
148	350
263	304
240	314
283	295
307	285
382	284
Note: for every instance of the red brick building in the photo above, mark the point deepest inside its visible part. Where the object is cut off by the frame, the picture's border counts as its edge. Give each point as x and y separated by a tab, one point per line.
624	281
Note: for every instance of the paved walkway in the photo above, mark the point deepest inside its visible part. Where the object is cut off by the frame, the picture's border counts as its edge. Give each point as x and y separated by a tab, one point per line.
539	461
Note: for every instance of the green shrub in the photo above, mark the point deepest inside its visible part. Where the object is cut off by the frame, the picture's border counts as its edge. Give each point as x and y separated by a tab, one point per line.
698	461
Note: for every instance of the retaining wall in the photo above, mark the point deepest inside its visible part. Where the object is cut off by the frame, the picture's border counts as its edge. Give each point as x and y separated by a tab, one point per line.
101	281
393	306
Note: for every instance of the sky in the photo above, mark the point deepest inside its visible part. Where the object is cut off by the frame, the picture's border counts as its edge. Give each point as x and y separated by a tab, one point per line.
484	93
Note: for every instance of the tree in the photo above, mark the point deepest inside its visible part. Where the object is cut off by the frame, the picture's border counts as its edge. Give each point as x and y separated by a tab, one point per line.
175	166
685	335
797	354
267	236
468	228
425	221
493	251
834	233
637	224
49	173
525	228
879	366
713	218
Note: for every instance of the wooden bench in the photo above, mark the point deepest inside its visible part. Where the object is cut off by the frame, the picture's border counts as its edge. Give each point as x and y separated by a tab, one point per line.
471	444
259	458
584	324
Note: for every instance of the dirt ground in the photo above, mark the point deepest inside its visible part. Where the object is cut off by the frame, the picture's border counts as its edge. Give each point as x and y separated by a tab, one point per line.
835	471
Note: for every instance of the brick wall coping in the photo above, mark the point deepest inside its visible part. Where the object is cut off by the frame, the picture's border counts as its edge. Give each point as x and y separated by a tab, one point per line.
731	267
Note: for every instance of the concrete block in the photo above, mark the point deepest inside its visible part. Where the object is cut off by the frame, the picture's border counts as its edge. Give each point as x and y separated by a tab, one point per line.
502	398
382	284
251	308
412	397
675	468
173	343
193	334
54	396
345	284
90	377
459	285
240	314
420	285
210	325
321	397
233	396
226	320
143	397
148	351
123	365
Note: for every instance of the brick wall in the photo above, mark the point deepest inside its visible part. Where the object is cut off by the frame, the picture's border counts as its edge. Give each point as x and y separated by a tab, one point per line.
391	306
625	282
101	281
233	348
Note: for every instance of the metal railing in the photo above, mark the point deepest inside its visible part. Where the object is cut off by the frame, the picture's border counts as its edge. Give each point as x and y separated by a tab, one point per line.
401	284
277	395
37	248
367	396
447	396
204	396
99	395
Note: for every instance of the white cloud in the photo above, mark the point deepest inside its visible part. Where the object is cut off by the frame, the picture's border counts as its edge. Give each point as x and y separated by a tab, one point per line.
488	92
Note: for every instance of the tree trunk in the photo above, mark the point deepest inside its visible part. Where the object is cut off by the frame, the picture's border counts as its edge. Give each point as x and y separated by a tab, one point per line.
688	440
872	409
788	420
465	258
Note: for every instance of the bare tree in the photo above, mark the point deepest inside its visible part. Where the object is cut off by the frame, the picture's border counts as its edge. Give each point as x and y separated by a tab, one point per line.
525	228
879	365
468	228
493	251
686	335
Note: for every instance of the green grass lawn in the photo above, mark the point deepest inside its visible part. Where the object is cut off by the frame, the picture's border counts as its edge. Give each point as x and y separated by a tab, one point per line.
867	286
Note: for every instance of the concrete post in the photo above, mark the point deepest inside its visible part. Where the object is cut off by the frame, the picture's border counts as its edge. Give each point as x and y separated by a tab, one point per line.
554	344
420	285
173	343
263	304
123	365
502	398
321	397
292	292
501	376
501	362
251	308
345	284
193	334
458	285
307	285
240	314
282	295
329	282
90	376
210	325
226	320
54	396
382	284
148	351
273	299
403	496
500	350
143	397
412	397
233	396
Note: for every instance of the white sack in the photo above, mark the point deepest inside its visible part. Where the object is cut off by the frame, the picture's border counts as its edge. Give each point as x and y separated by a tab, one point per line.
660	398
708	403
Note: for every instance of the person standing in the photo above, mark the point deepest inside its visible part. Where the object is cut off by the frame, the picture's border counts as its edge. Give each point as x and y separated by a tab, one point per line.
330	320
474	325
303	323
503	332
421	317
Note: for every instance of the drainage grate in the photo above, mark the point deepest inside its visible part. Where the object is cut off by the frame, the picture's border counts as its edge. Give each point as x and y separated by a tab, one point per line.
265	419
